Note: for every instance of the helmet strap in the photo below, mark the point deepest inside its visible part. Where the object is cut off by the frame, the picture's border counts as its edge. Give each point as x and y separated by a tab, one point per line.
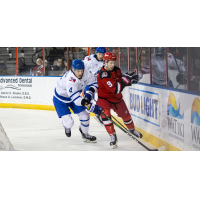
106	65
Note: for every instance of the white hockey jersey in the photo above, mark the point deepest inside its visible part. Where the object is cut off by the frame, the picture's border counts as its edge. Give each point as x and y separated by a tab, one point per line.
92	64
69	87
159	67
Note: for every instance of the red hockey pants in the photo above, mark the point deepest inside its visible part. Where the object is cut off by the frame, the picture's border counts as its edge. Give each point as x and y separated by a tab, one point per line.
121	110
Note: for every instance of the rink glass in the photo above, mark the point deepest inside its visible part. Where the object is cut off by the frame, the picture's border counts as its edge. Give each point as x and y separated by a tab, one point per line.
7	61
144	65
27	57
194	68
20	61
179	55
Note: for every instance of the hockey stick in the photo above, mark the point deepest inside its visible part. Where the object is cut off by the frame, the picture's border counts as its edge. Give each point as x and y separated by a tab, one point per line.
139	58
129	134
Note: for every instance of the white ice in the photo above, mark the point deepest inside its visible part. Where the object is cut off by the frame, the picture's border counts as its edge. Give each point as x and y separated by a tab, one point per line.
39	130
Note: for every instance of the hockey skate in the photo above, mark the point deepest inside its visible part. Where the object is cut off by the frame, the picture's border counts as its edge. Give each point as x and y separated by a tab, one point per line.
135	133
114	141
87	137
68	132
98	118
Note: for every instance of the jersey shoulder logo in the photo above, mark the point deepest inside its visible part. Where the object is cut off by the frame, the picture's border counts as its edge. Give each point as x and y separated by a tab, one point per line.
72	79
89	58
104	74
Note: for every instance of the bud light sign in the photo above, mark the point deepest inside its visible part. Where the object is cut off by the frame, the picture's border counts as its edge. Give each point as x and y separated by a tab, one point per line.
145	105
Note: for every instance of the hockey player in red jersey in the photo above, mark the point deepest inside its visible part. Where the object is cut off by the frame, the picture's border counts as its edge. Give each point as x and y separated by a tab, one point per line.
111	83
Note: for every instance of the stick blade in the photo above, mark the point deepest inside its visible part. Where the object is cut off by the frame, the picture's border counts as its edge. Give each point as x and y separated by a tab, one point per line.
161	148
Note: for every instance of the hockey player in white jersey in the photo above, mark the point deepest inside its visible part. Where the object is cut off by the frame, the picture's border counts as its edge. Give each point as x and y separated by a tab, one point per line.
158	64
67	95
95	62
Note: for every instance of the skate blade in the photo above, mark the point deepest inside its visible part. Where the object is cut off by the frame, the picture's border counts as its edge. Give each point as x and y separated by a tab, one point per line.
115	146
88	141
135	136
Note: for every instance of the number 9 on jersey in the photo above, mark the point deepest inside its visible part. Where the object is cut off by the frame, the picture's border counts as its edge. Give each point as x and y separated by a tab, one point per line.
109	84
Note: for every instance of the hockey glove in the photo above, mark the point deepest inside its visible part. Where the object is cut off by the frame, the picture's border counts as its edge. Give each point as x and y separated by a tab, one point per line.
84	102
127	79
88	96
95	109
134	79
132	76
181	78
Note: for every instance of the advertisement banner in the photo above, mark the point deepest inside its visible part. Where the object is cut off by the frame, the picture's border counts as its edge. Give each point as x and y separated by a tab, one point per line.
172	116
144	105
27	90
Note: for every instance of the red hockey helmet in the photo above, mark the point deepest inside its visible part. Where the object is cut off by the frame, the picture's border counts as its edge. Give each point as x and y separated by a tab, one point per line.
109	56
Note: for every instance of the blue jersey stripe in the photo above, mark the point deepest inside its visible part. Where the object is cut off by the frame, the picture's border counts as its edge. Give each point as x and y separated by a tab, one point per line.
75	93
84	125
85	120
61	97
77	98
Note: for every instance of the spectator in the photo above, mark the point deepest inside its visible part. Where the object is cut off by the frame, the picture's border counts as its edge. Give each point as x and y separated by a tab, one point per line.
65	69
158	64
38	70
93	50
2	68
59	66
109	49
76	49
47	67
115	51
78	53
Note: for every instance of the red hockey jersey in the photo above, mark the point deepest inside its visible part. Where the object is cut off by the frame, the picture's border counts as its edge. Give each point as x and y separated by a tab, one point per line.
109	85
